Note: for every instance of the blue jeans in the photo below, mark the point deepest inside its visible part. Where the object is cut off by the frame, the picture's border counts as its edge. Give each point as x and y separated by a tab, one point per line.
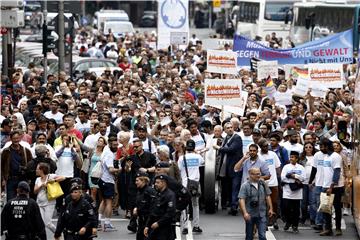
312	209
319	215
11	186
260	223
236	184
307	203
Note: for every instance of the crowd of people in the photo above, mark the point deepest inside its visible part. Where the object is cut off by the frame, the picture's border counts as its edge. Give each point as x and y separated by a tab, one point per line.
148	125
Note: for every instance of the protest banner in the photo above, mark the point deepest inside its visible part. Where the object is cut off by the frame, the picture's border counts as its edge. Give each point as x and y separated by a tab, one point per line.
221	62
173	16
328	75
336	48
302	86
267	68
222	92
217	43
238	109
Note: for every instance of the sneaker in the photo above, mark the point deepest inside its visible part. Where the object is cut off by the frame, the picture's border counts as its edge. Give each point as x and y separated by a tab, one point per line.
233	212
338	232
318	228
346	212
184	231
99	227
109	228
326	233
286	227
197	230
295	229
276	226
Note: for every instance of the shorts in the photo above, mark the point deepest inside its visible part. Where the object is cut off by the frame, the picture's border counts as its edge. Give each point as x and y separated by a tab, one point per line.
107	190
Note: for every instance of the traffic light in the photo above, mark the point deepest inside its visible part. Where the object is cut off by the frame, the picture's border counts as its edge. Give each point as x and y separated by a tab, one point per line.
48	39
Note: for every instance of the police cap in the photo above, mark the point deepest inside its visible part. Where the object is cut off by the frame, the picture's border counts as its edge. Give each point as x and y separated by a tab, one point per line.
75	187
162	177
162	165
141	174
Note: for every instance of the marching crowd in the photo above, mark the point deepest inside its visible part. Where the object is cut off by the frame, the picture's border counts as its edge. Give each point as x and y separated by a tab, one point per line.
147	133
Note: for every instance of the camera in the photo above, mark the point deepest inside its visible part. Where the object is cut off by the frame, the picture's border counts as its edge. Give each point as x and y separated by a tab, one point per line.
254	204
116	164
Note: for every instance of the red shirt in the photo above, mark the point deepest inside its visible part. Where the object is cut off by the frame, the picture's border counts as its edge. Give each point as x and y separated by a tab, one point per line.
77	133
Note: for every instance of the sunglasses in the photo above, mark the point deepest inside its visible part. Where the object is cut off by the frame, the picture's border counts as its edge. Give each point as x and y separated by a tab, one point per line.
136	146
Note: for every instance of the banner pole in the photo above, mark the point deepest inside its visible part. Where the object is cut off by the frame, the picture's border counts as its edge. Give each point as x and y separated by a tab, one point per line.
222	106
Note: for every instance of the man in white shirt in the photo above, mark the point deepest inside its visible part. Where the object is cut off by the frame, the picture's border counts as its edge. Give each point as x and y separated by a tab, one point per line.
189	169
107	182
82	123
292	144
274	164
246	136
54	112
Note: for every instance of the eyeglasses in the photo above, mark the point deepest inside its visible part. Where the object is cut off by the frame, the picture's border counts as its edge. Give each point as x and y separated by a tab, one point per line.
136	146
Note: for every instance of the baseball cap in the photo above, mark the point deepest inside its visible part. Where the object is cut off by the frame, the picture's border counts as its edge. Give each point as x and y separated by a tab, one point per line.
256	131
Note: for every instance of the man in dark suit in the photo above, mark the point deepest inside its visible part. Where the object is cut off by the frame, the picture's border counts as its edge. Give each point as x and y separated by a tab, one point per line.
230	152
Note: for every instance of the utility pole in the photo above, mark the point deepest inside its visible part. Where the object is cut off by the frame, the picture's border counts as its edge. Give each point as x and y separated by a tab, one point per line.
5	63
45	53
210	14
61	33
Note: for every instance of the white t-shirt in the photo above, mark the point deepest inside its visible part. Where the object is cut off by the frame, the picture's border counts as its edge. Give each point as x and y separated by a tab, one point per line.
308	167
91	140
65	163
246	141
293	147
194	161
300	174
318	163
148	143
51	150
41	198
332	162
199	142
273	162
57	117
83	127
107	160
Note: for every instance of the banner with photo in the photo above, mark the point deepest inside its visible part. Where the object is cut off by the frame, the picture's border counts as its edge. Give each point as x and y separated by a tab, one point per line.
173	16
238	109
295	71
326	75
336	48
221	62
222	92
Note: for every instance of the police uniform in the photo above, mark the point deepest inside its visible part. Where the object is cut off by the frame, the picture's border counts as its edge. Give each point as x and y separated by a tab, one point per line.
144	198
77	214
163	212
21	217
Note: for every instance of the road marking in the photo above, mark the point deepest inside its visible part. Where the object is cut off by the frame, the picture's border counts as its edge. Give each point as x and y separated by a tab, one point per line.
270	235
111	220
189	236
178	232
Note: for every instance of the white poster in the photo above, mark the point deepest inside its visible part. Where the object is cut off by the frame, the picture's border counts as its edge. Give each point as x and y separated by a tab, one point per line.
267	68
302	86
238	109
283	98
221	62
222	91
217	43
173	16
328	75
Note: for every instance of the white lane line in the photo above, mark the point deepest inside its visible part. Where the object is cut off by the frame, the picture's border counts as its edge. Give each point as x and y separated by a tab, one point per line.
189	236
111	219
270	235
178	232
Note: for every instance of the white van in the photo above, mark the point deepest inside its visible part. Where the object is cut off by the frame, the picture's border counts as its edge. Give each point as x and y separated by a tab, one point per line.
118	28
110	15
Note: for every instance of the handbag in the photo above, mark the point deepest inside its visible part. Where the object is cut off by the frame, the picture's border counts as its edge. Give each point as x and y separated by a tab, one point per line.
96	173
326	202
192	185
296	185
53	190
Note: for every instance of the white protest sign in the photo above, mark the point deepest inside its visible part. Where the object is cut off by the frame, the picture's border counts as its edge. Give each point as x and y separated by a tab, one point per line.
267	68
221	62
328	75
222	91
238	109
217	43
283	98
302	86
173	16
179	38
165	121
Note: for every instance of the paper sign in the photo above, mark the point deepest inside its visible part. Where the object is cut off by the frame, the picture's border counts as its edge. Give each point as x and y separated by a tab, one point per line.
328	75
165	121
302	86
267	68
283	98
295	71
238	109
222	92
221	62
217	43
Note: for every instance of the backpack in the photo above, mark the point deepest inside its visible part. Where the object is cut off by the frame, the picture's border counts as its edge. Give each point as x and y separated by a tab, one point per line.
182	194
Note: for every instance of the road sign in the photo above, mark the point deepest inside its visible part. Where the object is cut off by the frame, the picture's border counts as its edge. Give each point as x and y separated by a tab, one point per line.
4	31
179	38
12	18
216	3
68	24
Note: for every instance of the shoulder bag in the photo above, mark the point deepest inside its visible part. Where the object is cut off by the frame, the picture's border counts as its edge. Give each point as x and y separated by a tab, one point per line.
192	185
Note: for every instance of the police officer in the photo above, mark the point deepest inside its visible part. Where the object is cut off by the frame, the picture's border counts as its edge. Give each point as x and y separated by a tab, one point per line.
20	218
78	219
144	199
159	223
